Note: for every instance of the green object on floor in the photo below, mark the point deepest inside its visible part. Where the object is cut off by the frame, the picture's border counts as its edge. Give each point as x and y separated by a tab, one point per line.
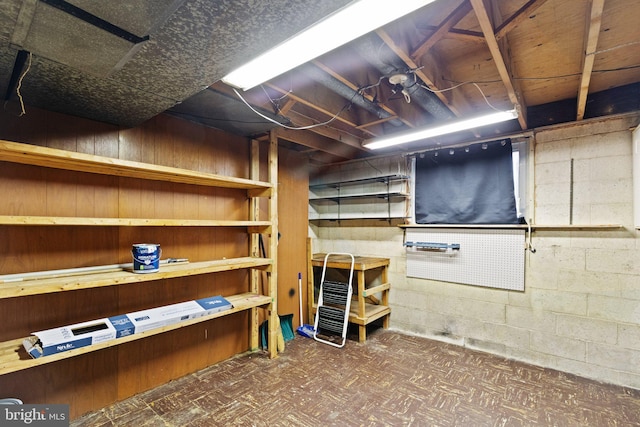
286	328
286	324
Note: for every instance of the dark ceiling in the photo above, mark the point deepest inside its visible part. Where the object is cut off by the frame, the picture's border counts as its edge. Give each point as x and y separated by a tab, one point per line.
123	62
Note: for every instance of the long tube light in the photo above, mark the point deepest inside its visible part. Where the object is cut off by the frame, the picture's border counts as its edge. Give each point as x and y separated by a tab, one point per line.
348	23
457	126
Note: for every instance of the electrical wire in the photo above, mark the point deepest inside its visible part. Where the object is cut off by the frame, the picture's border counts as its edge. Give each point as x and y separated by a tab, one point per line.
462	84
335	116
23	112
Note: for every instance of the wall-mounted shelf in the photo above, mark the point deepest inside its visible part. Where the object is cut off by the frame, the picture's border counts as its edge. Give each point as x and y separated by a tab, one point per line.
383	179
14	358
121	222
381	197
68	160
13	289
571	227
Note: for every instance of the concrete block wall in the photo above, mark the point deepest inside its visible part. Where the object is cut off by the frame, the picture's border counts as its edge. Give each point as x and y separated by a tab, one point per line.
580	312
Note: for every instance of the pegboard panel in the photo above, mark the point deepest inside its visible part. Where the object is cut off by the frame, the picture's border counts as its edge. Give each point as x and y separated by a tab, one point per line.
491	258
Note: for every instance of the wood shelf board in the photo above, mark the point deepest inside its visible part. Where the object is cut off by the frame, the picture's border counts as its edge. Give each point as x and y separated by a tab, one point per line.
14	358
344	262
578	227
116	222
95	280
80	162
372	313
569	227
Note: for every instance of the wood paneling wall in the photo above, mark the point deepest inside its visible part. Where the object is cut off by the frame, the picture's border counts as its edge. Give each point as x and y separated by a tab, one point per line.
94	380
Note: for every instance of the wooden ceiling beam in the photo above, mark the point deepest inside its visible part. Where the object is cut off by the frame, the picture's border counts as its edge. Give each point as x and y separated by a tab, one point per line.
409	61
490	37
442	30
326	131
591	43
288	106
521	15
318	142
315	106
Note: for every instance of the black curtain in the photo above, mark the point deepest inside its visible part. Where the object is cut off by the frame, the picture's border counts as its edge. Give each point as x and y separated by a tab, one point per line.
474	185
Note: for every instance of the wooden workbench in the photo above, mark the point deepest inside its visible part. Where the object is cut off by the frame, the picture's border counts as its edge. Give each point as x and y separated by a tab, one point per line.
371	278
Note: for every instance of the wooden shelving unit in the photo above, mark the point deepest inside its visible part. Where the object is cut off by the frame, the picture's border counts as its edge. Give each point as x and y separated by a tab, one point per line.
365	307
366	198
14	358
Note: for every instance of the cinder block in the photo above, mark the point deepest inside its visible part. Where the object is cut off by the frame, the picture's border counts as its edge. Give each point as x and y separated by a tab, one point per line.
613	213
507	335
601	145
587	329
604	192
547	213
610	168
622	359
549	343
613	261
589	282
556	193
559	302
629	288
482	311
551	152
486	346
614	309
629	336
525	318
520	299
553	173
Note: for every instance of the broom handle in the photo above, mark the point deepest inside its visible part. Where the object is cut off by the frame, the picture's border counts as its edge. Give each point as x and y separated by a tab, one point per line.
300	296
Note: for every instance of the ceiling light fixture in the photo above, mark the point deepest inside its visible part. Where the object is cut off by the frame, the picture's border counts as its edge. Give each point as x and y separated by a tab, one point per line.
430	132
346	24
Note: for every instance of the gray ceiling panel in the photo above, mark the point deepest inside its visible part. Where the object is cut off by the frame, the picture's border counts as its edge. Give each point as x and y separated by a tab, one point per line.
139	17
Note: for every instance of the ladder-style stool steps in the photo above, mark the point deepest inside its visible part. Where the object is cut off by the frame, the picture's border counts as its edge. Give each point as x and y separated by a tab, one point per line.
334	301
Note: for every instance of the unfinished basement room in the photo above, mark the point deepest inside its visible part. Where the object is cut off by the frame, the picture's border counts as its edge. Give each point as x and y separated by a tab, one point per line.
320	213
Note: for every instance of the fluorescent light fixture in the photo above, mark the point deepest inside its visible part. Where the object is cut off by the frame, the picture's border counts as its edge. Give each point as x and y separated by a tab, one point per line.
346	24
457	126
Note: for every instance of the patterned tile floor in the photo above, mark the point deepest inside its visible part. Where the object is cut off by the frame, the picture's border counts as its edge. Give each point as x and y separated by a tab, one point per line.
391	380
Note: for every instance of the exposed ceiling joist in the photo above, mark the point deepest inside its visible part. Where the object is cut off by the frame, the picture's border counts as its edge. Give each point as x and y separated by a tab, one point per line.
442	30
521	15
315	106
326	131
591	44
505	75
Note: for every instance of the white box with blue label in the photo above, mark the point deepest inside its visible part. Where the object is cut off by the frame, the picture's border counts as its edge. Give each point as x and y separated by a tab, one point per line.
66	338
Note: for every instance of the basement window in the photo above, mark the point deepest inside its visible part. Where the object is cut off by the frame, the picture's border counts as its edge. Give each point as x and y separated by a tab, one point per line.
484	183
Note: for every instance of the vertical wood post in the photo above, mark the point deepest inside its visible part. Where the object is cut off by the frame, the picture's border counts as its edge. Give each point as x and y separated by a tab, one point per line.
254	215
273	244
